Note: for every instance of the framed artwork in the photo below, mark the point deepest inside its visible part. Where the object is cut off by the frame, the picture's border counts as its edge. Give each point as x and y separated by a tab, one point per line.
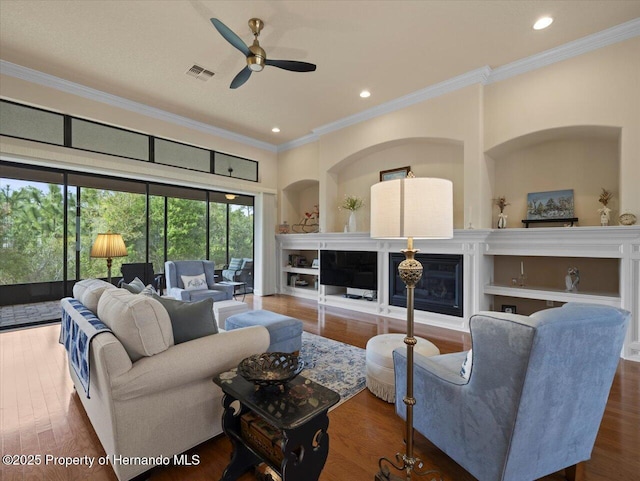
555	204
509	309
391	174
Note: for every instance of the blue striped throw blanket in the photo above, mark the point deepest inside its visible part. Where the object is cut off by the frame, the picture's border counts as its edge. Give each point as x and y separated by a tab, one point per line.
78	327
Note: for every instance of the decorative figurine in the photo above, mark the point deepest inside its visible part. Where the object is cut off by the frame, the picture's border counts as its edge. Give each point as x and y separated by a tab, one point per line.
572	279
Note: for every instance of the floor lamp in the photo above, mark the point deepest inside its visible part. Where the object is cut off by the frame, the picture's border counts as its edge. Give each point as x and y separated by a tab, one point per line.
108	245
409	209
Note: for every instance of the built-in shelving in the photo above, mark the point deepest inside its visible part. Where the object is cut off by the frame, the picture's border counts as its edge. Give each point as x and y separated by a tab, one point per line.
301	270
546	294
491	259
296	280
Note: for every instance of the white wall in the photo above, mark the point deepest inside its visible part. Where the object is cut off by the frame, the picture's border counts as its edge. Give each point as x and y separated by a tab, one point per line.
599	88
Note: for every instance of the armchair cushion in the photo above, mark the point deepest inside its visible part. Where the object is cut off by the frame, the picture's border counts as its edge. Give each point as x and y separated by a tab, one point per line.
190	320
194	283
140	323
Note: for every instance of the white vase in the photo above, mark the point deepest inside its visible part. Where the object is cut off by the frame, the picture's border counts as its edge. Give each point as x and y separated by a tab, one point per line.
352	221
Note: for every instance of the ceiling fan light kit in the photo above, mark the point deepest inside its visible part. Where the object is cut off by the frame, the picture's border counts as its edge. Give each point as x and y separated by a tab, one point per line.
256	56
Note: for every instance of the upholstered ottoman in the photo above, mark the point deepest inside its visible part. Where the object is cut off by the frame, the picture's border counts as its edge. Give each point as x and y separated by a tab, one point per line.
224	309
285	332
379	355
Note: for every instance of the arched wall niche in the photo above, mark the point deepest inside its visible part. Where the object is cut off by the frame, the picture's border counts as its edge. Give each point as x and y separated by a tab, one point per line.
585	158
297	198
427	157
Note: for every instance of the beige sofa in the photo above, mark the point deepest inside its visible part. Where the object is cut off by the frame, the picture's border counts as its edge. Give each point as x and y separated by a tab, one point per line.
149	397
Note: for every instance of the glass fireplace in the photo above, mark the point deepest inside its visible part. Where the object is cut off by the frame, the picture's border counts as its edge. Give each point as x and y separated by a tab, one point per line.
440	289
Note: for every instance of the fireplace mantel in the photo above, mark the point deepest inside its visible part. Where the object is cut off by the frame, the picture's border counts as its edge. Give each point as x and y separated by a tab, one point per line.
479	247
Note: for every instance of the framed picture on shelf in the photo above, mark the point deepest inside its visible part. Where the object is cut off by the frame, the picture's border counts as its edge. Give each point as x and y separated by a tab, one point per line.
391	174
556	204
509	309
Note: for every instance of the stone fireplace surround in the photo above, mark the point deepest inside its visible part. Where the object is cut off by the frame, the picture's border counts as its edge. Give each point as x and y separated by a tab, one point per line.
478	248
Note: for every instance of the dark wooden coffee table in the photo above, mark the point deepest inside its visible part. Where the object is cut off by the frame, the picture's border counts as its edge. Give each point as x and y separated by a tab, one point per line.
298	412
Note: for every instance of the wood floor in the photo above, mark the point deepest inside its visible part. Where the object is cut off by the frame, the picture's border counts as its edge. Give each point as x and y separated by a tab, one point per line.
41	413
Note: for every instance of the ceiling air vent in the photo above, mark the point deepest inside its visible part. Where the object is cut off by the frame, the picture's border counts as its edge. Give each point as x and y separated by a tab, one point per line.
200	73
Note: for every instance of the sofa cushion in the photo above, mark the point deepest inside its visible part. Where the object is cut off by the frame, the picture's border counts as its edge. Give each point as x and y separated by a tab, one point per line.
89	291
135	286
190	320
195	283
140	323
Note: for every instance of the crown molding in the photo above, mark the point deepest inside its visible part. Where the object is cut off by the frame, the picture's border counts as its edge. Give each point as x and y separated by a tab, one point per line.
34	76
466	79
484	75
299	142
612	35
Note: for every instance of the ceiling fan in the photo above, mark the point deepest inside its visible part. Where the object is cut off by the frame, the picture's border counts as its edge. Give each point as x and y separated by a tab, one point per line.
256	56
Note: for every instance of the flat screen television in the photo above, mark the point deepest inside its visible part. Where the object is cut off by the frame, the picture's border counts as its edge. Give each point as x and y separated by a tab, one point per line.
356	269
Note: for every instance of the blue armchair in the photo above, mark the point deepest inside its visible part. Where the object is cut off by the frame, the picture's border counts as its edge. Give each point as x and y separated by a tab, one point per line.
174	270
535	396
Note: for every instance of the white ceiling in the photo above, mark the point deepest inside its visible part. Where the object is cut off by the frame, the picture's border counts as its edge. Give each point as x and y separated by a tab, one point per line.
141	49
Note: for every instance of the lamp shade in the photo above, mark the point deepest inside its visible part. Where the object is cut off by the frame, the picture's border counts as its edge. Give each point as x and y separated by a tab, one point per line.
108	245
417	207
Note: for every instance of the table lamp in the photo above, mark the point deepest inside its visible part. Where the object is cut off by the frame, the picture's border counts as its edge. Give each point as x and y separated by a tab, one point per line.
108	245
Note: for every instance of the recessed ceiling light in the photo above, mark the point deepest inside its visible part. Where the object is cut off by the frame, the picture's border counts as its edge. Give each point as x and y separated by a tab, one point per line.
275	130
365	93
543	22
230	196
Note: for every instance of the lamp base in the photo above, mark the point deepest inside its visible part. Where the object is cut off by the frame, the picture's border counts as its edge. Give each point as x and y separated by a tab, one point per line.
382	476
410	469
385	475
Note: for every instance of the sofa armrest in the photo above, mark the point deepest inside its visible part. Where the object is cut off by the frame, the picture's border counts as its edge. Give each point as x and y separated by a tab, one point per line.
192	361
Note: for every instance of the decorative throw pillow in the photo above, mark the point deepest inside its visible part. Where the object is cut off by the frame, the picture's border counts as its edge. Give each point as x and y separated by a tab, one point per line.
195	283
190	320
234	264
149	291
465	371
135	286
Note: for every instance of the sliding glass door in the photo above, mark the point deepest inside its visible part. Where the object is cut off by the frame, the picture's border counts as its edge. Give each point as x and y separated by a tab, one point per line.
31	227
157	222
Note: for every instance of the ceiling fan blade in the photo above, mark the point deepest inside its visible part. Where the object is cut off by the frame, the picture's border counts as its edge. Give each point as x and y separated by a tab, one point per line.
230	36
292	65
241	78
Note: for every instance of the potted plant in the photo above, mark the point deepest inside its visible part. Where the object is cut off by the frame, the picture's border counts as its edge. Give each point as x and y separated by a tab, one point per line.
352	203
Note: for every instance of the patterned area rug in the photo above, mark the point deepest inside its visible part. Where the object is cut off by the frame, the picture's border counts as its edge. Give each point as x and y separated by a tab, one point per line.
333	364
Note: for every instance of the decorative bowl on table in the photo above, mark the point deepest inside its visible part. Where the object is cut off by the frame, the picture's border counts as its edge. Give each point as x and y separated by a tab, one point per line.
270	368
